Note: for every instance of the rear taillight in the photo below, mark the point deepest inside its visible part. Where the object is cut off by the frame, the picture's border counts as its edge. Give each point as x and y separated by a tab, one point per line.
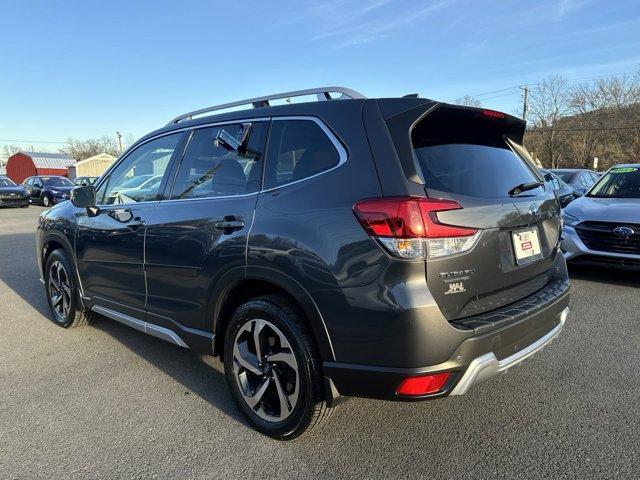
424	385
408	227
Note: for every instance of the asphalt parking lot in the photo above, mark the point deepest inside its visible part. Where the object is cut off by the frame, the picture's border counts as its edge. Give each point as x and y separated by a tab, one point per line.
105	401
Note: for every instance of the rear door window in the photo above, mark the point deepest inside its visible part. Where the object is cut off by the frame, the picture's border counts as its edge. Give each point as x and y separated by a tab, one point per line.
298	149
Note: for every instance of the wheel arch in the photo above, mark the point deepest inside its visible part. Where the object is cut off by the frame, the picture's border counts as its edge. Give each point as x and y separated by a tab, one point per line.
53	240
236	287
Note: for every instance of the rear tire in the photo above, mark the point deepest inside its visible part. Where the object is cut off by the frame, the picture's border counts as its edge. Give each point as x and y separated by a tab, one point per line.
275	382
62	292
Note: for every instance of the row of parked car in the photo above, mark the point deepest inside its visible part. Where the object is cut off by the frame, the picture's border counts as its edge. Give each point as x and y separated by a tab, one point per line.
46	190
570	183
567	184
601	218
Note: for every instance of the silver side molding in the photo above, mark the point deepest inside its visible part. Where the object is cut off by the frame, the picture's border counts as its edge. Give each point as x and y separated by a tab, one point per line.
142	326
487	366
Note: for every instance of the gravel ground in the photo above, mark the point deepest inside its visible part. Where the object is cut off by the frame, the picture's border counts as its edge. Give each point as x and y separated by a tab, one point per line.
105	401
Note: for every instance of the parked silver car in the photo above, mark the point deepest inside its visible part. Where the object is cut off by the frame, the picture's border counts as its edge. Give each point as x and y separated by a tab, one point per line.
604	225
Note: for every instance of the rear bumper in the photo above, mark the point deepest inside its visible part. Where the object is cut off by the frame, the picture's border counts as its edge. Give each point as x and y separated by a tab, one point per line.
488	366
476	359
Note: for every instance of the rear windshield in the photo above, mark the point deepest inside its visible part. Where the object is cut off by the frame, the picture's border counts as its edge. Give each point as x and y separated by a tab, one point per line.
465	152
620	182
473	170
565	176
57	182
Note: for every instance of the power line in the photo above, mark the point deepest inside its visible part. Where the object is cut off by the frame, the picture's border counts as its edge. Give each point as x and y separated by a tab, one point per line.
493	91
499	96
585	129
570	80
30	141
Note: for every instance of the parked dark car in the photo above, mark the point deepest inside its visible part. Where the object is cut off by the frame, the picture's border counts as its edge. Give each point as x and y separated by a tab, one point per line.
48	189
12	195
579	179
400	249
563	191
81	181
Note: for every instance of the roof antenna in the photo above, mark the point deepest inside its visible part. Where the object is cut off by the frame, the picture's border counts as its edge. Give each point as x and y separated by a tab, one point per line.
411	95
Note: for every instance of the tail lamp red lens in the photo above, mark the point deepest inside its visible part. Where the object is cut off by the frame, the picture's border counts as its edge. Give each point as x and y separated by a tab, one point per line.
424	385
408	217
493	114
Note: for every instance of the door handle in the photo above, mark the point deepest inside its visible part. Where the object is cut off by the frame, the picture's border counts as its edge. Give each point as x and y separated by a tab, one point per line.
135	223
229	224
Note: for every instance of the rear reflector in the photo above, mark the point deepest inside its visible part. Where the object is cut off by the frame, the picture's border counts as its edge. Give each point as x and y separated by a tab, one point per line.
417	386
400	224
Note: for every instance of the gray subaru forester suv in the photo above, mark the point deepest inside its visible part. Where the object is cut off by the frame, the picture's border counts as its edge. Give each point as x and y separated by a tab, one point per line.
396	248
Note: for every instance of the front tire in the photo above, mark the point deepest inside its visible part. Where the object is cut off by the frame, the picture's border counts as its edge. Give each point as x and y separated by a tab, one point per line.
273	369
62	292
46	200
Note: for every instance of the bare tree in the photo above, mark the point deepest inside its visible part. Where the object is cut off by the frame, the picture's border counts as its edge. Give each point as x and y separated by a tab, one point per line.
468	101
8	150
550	102
586	124
81	149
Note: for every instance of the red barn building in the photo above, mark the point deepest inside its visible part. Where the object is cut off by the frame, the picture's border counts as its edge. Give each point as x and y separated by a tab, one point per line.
27	164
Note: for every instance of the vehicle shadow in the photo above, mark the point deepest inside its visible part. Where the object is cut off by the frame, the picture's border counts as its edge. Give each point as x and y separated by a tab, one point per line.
19	271
199	375
602	274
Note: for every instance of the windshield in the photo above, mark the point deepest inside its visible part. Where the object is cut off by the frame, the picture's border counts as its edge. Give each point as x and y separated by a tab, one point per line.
152	182
57	182
619	182
5	182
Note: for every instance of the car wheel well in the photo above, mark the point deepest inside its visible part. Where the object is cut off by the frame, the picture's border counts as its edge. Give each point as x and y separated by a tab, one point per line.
50	246
242	293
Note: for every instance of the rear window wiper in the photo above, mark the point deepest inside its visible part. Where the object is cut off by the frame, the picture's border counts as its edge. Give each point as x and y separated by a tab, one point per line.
523	187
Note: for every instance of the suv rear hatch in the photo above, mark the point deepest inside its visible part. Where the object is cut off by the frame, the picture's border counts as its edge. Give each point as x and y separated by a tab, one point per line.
505	228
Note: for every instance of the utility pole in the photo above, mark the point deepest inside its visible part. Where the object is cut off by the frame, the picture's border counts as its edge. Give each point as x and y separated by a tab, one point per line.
119	141
525	105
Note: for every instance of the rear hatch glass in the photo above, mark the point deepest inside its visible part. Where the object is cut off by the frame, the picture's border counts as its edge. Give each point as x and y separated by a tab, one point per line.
475	157
474	170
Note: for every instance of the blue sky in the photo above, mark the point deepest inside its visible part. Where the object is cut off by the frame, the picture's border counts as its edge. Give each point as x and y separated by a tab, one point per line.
87	68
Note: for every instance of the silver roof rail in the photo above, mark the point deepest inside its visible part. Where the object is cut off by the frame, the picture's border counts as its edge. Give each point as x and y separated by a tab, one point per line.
323	93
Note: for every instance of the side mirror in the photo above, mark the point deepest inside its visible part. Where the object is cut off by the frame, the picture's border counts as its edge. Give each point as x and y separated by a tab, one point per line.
84	197
548	177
